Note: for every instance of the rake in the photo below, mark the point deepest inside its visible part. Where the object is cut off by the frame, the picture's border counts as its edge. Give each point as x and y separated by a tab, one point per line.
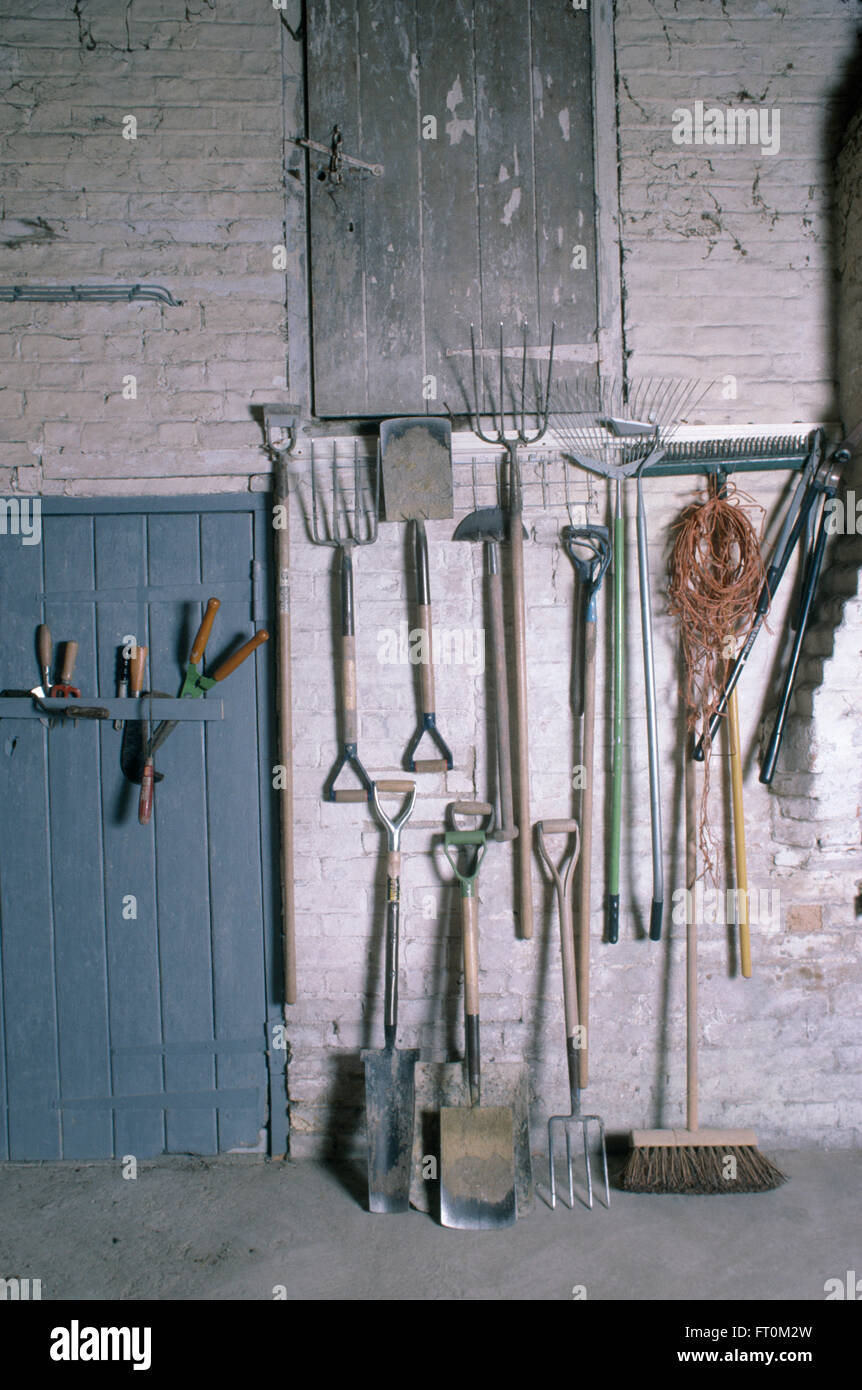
346	525
619	430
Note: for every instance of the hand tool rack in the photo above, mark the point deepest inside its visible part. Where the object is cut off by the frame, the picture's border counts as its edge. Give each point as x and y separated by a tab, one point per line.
551	483
129	709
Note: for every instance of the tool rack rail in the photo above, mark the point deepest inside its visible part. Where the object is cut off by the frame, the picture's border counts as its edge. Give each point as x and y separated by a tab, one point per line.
129	708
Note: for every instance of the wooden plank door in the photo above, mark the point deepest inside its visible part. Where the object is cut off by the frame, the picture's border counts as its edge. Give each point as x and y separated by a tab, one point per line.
139	965
481	116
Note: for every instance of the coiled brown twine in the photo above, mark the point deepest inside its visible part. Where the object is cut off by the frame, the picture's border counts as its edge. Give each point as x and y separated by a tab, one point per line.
716	574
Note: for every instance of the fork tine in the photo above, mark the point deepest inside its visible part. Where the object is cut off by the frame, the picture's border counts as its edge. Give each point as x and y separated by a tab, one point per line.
585	1130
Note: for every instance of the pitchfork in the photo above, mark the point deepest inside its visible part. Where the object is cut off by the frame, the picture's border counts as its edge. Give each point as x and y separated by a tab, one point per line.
511	443
563	884
344	529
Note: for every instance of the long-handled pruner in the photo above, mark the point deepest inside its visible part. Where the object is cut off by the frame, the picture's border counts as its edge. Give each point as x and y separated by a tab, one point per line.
194	685
826	484
808	489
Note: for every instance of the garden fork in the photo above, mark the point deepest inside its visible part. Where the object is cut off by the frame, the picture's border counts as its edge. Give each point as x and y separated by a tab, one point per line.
574	1039
345	528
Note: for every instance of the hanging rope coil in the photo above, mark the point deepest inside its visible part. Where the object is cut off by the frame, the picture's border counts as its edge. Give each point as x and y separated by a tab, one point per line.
715	575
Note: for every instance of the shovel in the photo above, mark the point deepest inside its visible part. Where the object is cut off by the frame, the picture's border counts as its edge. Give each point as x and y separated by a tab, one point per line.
477	1142
416	463
389	1072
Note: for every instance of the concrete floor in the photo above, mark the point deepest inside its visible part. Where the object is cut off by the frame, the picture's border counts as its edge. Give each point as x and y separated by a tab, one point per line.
236	1227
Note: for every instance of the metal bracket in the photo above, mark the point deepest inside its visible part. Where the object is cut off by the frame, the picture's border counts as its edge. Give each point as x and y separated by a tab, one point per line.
338	159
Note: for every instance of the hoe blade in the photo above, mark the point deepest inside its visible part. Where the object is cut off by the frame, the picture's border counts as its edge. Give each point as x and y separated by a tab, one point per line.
389	1107
477	1167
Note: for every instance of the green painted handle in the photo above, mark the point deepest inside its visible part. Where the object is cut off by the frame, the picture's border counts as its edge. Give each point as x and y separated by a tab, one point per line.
619	687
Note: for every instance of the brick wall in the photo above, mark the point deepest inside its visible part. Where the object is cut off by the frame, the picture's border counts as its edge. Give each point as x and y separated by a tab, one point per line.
727	273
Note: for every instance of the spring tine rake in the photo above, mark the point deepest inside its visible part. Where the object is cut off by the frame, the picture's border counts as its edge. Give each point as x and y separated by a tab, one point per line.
344	528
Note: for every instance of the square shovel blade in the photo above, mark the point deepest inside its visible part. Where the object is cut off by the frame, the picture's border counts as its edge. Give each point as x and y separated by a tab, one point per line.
477	1168
389	1107
416	462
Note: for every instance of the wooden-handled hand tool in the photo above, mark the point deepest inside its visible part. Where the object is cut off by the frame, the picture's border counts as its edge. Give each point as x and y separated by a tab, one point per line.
45	654
64	690
194	686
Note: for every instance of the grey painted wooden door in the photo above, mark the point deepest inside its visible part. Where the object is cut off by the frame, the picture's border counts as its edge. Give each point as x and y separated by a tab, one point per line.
138	964
481	115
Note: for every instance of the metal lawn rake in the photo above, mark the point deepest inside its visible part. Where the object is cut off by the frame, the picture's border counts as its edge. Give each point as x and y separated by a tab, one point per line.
349	521
518	437
618	431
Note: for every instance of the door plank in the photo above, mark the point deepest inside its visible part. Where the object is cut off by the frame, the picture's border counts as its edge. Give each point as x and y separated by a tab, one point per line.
31	1080
180	838
388	94
563	140
74	789
337	259
132	941
233	809
449	193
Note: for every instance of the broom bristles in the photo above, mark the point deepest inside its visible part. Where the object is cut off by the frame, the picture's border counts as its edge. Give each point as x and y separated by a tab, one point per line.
686	1169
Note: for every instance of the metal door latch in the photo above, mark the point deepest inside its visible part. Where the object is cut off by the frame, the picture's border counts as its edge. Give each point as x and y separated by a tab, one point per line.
338	159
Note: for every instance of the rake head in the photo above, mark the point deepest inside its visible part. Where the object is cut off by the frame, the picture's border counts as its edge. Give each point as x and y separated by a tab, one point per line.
612	427
348	516
568	1123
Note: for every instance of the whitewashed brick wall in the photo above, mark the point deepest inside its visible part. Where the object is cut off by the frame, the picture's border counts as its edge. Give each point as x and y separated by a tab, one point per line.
727	271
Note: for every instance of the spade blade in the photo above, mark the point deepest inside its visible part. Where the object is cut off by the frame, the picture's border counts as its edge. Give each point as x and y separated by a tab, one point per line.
477	1168
389	1108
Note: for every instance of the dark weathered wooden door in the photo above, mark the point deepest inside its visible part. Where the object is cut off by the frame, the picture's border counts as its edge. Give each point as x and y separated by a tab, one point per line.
139	978
481	115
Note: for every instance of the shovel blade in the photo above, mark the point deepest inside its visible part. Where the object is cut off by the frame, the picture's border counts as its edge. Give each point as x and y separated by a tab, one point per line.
389	1108
477	1168
416	459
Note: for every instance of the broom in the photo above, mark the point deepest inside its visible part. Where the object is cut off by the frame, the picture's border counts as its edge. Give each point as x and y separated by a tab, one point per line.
694	1160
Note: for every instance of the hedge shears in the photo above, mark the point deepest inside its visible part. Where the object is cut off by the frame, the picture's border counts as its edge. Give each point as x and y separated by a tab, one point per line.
194	685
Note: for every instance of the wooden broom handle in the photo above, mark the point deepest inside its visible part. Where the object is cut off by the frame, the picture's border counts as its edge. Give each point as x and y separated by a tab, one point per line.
739	832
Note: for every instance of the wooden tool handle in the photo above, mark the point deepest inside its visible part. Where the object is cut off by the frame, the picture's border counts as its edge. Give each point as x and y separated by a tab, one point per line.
430	765
44	647
394	785
519	636
239	656
203	634
137	665
348	689
507	829
470	933
426	668
350	794
70	656
145	801
739	833
585	866
471	808
561	827
691	796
